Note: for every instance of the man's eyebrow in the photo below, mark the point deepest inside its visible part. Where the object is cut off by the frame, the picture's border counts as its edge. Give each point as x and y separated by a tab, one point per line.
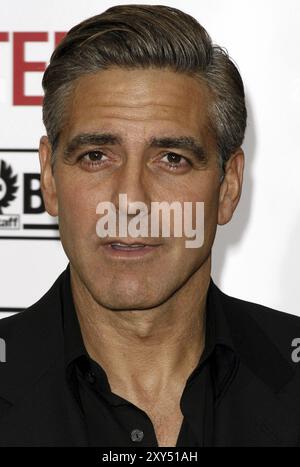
188	143
90	139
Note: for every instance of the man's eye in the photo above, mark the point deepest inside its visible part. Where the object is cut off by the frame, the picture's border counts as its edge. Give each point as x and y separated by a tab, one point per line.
92	159
175	160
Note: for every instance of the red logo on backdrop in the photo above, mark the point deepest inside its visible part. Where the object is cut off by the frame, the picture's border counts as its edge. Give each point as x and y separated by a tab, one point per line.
22	66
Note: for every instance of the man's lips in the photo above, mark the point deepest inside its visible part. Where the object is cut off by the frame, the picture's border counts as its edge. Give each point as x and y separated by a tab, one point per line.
128	248
126	243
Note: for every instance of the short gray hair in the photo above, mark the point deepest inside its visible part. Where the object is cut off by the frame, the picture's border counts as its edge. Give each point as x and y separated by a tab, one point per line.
143	36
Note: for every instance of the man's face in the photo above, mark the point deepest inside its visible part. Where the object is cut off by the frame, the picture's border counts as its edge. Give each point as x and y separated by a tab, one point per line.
135	106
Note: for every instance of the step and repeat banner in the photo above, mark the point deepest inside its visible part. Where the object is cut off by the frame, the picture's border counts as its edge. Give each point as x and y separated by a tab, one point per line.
255	256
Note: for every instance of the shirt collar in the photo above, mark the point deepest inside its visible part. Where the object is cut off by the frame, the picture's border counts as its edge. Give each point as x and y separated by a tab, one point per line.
219	347
73	342
218	340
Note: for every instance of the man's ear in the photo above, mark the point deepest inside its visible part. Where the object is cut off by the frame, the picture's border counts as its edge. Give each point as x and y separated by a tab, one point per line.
231	187
48	186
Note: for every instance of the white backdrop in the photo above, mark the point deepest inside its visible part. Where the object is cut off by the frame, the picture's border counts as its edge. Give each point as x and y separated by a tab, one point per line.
256	255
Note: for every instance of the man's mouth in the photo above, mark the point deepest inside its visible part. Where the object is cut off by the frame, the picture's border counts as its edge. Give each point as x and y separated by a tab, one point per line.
129	248
126	246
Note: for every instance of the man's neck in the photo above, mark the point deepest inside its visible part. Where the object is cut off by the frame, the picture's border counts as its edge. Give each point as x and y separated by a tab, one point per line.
152	350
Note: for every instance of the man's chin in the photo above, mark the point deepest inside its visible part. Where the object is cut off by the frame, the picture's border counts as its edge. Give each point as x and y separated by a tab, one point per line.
119	290
123	295
127	302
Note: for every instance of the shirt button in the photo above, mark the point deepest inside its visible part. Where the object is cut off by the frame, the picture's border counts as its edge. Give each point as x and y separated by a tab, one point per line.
90	376
137	435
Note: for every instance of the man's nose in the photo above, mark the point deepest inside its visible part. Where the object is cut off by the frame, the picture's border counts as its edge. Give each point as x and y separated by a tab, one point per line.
132	180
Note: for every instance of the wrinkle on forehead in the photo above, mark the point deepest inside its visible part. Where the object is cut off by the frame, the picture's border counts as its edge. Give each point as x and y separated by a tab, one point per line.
157	96
138	88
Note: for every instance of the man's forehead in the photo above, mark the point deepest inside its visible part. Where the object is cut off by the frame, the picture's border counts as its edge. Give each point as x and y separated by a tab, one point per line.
140	88
96	107
98	102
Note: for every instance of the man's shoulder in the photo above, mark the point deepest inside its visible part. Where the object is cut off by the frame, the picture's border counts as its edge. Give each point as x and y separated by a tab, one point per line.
33	346
258	321
26	319
263	315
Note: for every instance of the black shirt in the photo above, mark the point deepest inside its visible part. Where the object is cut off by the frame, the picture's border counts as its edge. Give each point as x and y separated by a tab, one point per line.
114	421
